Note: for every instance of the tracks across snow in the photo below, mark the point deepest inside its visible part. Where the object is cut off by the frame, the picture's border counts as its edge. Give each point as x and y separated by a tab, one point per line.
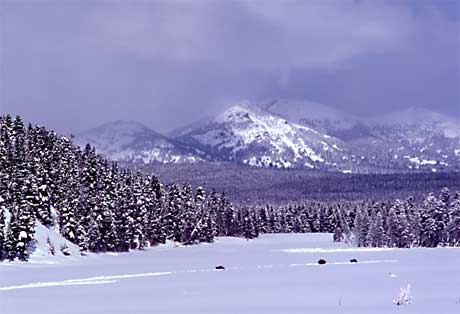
342	250
85	281
98	280
346	263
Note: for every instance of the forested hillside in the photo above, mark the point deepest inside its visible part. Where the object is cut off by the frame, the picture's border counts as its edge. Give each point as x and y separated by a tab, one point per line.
102	207
90	201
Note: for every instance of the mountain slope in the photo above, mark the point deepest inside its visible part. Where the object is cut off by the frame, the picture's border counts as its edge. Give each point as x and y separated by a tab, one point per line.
413	138
251	135
132	141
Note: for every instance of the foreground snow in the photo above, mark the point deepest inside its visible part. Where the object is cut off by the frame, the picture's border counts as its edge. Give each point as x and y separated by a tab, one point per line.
273	274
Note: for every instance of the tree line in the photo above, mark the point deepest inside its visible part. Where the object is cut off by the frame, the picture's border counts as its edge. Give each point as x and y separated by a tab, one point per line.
102	207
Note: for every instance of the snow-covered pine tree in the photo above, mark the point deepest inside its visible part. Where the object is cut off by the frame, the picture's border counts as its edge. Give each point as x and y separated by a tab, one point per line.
443	219
414	220
229	216
12	236
189	215
361	227
124	212
2	227
431	220
217	213
108	202
199	231
155	230
453	227
342	230
207	228
174	217
398	232
263	219
26	227
376	235
87	198
249	230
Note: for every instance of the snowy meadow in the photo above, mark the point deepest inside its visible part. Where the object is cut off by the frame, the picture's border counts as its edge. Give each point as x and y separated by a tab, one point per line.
271	274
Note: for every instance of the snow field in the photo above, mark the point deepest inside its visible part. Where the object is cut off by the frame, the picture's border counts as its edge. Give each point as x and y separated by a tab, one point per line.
273	274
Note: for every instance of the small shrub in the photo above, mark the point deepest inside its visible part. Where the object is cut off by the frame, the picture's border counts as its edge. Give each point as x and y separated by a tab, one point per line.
404	297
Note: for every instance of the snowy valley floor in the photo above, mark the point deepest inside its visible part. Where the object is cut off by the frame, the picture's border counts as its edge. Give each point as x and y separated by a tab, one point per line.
272	274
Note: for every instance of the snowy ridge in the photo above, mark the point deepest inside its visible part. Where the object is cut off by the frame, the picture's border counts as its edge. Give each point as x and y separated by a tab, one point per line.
132	141
251	135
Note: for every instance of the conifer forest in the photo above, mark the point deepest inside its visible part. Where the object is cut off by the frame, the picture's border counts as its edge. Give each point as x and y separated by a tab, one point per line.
103	207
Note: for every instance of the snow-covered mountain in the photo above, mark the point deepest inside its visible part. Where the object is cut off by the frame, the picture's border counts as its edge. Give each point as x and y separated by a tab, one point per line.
133	141
293	134
416	138
413	138
252	135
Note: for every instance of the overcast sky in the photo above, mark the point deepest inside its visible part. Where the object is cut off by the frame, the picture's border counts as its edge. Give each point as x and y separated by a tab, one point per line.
72	65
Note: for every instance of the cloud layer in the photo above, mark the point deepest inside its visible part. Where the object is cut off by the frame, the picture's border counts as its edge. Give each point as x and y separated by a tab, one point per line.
76	64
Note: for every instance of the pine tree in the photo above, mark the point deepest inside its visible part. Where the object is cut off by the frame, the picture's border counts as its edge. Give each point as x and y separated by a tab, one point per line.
453	226
431	222
249	230
361	227
228	217
174	218
376	235
342	228
124	212
2	228
12	235
200	226
398	232
67	222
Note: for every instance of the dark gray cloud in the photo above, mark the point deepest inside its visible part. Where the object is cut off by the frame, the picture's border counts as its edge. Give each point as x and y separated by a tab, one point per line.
75	64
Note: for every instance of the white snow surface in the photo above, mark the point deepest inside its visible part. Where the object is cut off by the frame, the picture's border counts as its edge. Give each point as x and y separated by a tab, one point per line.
40	248
261	276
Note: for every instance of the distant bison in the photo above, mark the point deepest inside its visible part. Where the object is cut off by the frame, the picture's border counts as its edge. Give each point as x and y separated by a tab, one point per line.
220	267
353	260
322	261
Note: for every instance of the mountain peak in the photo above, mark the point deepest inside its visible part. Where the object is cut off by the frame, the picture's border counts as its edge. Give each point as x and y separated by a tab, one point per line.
240	110
133	141
121	126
